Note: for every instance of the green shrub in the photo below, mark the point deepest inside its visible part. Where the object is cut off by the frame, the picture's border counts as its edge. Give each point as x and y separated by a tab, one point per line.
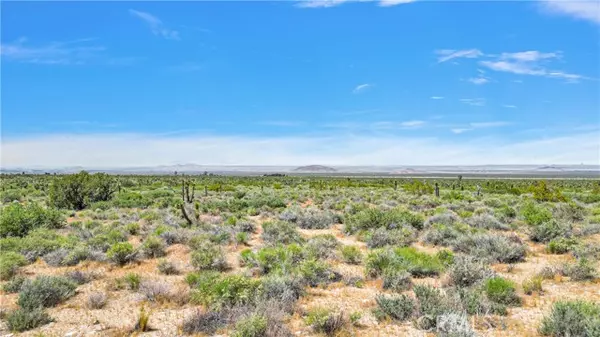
583	270
26	319
375	218
153	247
351	254
167	267
132	281
572	318
445	256
325	321
418	264
549	230
535	214
501	290
45	291
121	253
561	245
217	291
209	257
253	326
315	273
280	232
397	280
14	284
542	192
322	246
10	263
18	220
242	238
431	304
398	307
355	318
77	191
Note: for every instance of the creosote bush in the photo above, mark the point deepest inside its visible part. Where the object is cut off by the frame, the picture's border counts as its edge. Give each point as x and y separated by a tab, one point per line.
121	253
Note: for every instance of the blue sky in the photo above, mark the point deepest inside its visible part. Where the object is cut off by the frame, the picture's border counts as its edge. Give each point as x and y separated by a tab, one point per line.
108	84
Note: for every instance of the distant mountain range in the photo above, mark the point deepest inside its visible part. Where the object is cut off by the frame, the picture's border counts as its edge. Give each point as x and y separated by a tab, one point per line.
507	170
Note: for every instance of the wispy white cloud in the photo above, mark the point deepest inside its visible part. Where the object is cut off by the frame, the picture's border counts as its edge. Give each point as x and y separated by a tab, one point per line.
478	80
388	3
450	54
361	88
583	10
319	3
333	3
436	97
75	52
479	125
134	150
412	124
376	126
473	101
510	106
530	62
530	68
156	25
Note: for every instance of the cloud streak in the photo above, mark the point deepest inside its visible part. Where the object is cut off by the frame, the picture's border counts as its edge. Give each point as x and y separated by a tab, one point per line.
334	3
76	52
128	150
361	88
582	10
156	25
445	55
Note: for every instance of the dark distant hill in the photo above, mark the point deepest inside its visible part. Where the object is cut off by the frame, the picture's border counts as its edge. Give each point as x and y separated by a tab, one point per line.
315	168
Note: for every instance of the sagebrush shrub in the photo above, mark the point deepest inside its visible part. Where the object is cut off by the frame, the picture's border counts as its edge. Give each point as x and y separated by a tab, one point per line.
487	221
454	325
467	271
582	270
21	319
96	300
549	230
322	246
167	267
45	291
399	307
572	318
209	257
325	321
495	248
207	322
280	233
14	284
397	280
